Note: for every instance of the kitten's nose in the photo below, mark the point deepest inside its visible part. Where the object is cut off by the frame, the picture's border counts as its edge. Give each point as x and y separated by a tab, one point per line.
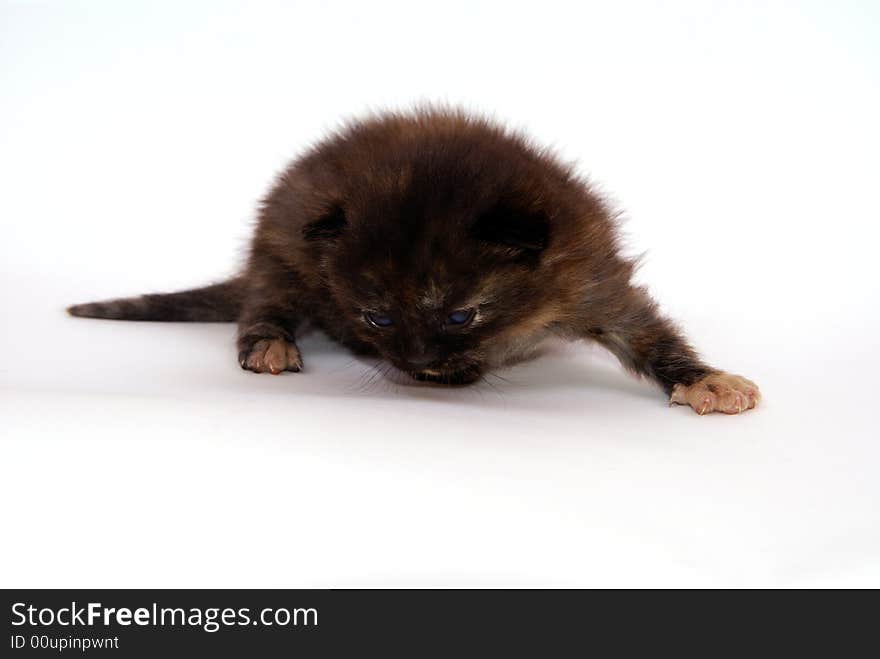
417	360
417	363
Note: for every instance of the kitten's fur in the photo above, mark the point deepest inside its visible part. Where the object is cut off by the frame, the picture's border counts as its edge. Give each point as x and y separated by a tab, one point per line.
410	217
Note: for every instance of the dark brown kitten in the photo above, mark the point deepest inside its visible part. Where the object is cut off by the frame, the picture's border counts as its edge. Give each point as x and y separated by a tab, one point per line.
447	246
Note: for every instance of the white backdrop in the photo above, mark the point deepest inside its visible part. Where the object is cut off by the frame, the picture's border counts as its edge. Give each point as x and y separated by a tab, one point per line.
742	141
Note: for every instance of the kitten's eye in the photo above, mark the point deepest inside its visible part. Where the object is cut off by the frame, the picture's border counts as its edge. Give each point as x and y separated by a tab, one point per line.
379	320
460	317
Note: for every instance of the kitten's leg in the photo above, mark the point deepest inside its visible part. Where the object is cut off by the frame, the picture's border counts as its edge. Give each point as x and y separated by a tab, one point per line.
268	322
265	347
651	345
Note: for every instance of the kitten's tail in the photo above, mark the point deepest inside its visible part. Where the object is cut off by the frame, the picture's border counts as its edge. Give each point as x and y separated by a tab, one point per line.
216	303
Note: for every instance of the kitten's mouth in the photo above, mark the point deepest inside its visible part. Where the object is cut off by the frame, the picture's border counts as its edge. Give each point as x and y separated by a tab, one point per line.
465	376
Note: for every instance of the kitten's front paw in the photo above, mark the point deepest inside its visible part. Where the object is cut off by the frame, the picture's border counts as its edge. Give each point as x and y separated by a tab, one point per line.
271	356
718	392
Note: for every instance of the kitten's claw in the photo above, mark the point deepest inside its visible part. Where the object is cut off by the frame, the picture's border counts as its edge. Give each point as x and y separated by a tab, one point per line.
718	392
271	356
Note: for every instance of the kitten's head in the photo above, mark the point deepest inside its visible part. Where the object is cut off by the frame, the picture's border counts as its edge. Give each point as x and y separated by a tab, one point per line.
435	279
447	244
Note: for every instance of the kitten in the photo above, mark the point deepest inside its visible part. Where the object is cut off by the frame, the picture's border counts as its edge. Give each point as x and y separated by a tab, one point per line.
447	246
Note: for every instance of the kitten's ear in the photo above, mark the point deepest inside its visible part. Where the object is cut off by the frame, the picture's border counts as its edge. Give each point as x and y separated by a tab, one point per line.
327	227
508	224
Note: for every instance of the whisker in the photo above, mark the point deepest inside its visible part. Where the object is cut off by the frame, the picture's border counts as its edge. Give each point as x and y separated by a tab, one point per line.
375	374
498	391
503	379
388	382
366	377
